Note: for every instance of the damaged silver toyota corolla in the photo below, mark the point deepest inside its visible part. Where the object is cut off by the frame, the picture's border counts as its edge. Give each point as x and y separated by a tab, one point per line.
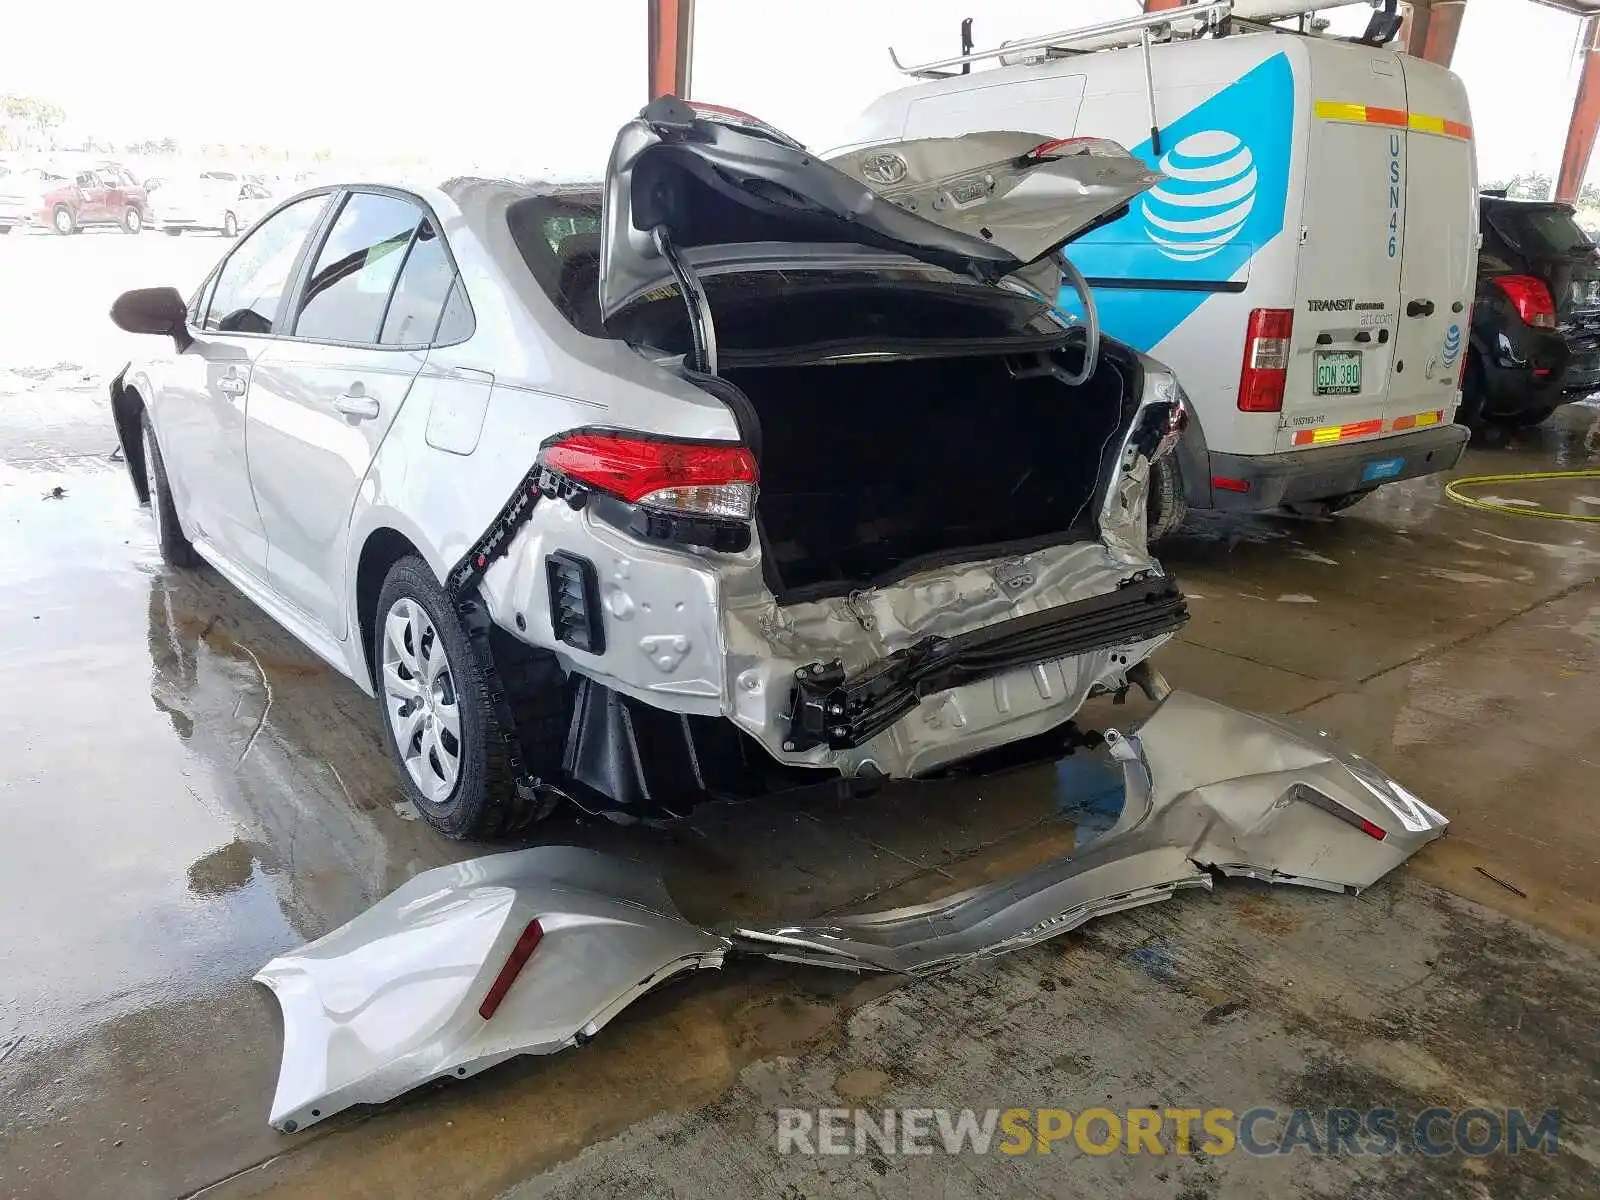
804	475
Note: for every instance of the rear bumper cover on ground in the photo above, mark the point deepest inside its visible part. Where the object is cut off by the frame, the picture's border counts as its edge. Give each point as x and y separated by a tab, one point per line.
395	998
1302	475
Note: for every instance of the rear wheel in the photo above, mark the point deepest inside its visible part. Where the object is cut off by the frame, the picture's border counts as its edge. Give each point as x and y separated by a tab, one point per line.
175	548
1474	392
445	731
1166	504
132	220
230	225
62	220
1530	416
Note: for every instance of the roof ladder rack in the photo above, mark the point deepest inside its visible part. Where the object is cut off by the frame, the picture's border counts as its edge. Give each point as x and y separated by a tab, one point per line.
1207	14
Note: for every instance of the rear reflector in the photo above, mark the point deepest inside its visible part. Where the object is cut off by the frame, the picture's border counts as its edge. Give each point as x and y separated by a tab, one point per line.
1530	297
715	479
1265	370
515	961
1334	809
1230	485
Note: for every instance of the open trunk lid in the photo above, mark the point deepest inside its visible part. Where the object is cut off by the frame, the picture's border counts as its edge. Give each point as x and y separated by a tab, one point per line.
692	179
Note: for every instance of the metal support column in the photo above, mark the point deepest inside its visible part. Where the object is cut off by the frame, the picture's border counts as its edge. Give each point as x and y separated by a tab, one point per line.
1585	118
671	46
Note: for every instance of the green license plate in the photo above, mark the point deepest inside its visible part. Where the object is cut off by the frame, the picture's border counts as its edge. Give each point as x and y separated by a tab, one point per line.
1338	372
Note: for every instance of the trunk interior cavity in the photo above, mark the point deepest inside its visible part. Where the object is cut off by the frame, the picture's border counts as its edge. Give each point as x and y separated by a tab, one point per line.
872	470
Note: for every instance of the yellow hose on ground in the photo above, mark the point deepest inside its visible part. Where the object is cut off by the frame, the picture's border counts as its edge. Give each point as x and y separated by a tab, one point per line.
1452	489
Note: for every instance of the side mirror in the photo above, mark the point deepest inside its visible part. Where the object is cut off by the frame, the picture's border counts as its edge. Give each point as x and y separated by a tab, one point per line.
158	310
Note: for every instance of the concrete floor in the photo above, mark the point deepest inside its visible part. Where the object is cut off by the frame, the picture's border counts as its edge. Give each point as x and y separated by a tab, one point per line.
187	792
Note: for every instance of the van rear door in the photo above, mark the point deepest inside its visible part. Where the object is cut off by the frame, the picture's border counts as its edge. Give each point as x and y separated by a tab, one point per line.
1440	248
1347	288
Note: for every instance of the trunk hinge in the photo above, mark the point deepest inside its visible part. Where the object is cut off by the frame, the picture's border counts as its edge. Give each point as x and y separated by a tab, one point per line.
701	328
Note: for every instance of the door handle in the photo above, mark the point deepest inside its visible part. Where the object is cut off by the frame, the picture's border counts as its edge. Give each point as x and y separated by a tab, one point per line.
1419	308
353	404
231	385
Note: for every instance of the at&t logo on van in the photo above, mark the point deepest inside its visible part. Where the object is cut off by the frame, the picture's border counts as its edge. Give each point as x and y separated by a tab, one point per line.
1452	344
1206	198
1192	237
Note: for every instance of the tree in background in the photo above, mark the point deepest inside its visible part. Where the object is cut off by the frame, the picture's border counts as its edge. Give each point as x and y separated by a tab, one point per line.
27	122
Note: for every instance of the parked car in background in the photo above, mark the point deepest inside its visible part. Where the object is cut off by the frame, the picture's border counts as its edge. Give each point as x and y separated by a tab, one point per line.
102	196
1541	240
209	202
1516	361
776	479
20	190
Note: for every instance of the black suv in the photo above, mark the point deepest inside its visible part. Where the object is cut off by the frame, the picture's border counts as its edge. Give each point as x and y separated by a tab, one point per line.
1536	321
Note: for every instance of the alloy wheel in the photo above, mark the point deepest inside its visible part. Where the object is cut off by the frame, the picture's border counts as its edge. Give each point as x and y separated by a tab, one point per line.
419	695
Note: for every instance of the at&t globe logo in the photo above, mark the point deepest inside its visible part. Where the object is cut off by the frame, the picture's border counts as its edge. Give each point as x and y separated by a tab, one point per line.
1207	196
1452	344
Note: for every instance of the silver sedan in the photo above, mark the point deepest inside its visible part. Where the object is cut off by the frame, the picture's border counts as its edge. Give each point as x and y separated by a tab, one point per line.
734	470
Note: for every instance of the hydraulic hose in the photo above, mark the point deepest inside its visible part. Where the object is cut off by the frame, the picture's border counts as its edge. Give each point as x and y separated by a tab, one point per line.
1455	490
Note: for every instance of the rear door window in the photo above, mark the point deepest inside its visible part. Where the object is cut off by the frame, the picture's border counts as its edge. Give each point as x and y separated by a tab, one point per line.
1543	231
252	281
348	289
420	292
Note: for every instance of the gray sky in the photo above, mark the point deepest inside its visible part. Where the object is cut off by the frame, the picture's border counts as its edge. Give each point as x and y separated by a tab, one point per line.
545	85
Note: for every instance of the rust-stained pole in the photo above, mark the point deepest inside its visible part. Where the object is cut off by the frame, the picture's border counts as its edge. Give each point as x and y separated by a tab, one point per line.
1585	119
670	46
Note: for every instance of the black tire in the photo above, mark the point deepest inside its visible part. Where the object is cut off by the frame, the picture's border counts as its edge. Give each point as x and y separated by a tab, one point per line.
1474	391
62	220
1528	417
176	549
484	802
1166	502
132	220
230	225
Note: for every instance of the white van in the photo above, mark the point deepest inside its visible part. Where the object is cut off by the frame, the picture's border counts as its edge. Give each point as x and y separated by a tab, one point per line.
1307	267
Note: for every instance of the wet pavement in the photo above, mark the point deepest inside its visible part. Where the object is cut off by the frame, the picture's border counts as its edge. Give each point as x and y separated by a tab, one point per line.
188	792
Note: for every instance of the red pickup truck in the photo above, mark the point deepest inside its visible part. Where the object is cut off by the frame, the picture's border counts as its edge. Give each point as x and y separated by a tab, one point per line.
104	196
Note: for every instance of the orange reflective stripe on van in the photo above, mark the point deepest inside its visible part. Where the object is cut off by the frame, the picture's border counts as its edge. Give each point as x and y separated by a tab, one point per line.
1359	429
1372	114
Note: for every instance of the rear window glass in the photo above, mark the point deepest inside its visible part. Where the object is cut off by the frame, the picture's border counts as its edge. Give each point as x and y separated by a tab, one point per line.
1542	230
559	238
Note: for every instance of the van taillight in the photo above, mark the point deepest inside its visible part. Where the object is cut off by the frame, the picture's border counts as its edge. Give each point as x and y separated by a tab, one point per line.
1266	360
1531	299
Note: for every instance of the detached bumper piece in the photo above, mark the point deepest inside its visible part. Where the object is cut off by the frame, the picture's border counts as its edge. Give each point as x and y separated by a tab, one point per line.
534	951
826	708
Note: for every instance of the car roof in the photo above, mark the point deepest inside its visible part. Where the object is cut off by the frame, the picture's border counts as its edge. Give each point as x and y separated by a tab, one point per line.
1490	200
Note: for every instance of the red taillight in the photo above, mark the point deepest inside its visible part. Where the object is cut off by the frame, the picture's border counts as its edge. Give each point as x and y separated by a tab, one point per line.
1266	360
715	479
1371	828
515	961
1530	298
